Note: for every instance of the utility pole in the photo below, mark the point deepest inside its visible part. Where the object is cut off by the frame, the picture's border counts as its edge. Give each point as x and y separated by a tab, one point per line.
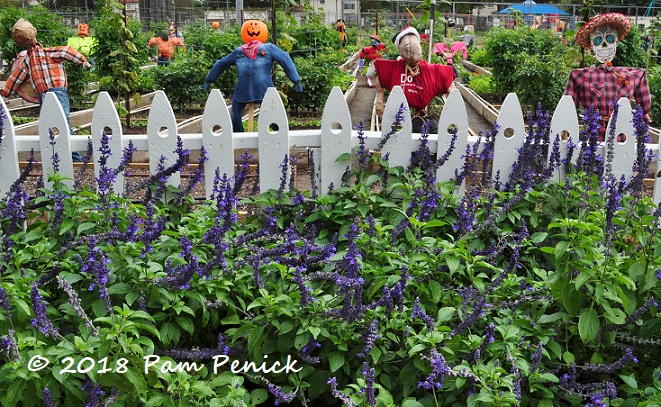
431	29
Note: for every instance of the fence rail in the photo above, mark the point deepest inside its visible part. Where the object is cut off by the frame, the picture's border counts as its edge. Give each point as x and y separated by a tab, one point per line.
333	138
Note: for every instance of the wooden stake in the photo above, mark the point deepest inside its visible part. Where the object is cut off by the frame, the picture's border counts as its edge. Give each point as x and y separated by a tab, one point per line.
251	115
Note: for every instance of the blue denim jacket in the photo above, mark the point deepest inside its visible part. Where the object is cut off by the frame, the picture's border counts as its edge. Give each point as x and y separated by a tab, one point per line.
254	75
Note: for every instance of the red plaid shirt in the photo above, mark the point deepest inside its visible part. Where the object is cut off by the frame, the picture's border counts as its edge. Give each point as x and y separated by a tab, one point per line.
45	67
600	86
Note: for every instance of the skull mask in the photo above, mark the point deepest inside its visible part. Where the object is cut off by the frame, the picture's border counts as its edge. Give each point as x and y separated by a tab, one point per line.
604	43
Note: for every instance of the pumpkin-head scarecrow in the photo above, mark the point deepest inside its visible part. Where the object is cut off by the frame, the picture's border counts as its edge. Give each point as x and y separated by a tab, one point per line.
420	80
254	62
602	85
254	30
83	43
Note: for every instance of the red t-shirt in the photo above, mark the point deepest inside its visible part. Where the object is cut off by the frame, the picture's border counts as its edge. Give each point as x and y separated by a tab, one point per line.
420	90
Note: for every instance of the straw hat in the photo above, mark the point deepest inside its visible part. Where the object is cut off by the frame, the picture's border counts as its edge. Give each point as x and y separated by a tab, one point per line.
616	20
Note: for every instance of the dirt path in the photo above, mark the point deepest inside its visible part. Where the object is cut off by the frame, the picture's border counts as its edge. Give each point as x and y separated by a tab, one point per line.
362	104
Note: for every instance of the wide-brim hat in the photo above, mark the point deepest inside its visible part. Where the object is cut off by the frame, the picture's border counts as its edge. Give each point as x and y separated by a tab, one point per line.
617	20
25	89
406	31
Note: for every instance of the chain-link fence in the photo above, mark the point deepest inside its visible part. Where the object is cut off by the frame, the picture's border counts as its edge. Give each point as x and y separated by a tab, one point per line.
398	14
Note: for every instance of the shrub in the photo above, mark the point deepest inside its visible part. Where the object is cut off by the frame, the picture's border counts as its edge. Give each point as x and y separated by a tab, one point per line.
525	57
188	93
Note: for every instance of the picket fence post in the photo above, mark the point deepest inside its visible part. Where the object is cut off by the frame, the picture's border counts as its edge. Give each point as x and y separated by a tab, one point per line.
8	152
106	120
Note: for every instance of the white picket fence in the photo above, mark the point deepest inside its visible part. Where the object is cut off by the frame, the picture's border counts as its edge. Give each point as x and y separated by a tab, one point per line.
334	138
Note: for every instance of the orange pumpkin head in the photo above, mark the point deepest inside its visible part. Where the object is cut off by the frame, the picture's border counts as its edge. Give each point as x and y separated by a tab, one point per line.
254	30
83	30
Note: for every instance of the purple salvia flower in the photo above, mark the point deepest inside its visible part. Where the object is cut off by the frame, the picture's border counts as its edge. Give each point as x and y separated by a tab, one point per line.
588	159
40	320
362	153
308	349
280	396
3	116
197	176
596	401
48	398
615	366
96	265
152	229
304	290
94	393
8	346
439	369
368	373
284	166
369	337
488	339
241	175
465	214
419	313
55	158
643	160
58	200
453	130
399	119
536	358
314	189
332	382
4	302
107	176
75	302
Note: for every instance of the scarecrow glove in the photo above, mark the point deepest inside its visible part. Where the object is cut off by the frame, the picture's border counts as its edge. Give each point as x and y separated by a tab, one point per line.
87	65
299	87
207	86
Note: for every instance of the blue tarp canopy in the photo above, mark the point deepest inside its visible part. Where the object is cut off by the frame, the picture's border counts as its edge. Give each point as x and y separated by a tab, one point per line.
530	7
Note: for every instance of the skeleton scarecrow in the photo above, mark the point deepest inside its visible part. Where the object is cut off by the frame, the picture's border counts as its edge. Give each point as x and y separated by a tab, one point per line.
601	85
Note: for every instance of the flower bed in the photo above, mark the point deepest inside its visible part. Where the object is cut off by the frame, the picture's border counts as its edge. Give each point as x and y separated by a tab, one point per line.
388	290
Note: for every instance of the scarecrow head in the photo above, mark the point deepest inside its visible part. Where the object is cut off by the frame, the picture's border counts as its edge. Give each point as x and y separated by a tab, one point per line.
165	34
254	30
602	33
375	40
83	30
407	43
23	33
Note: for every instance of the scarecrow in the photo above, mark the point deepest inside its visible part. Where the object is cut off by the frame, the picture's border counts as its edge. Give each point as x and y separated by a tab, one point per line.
83	43
166	46
420	80
600	85
254	62
341	28
365	55
39	70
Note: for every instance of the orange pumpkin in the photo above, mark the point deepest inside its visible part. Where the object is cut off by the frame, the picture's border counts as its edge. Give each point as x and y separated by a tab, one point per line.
215	24
254	30
83	30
